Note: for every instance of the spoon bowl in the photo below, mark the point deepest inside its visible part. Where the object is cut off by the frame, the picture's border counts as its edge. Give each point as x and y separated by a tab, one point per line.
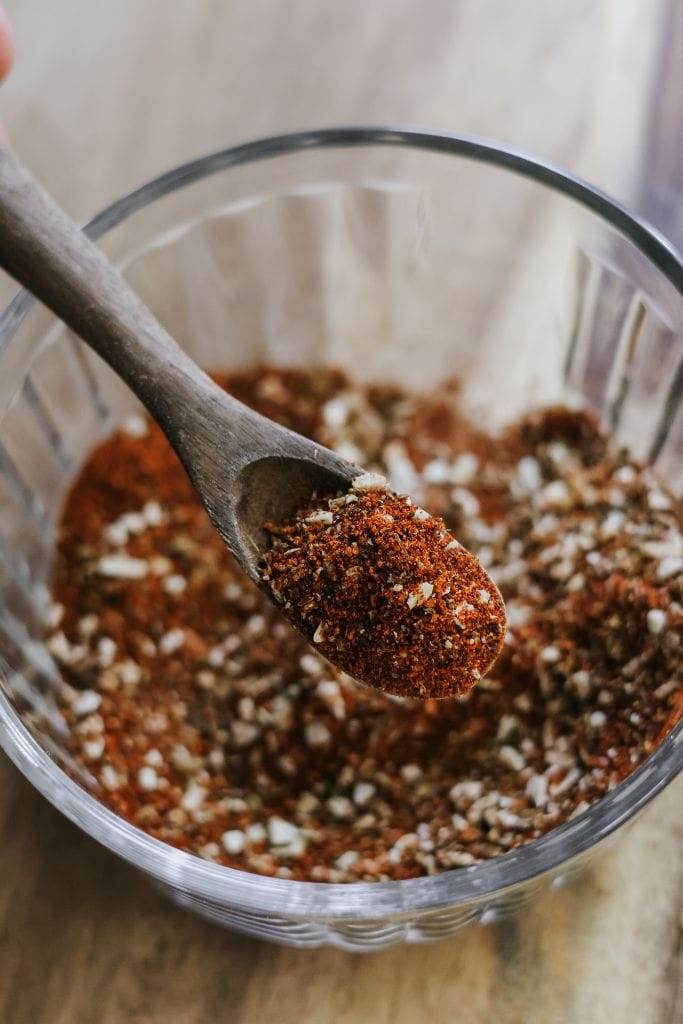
272	488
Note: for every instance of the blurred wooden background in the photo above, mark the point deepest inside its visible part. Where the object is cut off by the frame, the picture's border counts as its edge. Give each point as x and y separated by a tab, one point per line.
106	95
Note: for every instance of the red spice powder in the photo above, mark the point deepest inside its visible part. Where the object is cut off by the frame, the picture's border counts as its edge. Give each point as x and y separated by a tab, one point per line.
386	593
205	719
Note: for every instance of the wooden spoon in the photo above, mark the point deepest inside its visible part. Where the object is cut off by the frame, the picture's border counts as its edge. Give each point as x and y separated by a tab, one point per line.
246	469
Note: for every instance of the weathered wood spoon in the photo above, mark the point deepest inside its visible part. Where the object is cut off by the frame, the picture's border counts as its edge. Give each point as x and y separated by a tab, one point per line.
245	468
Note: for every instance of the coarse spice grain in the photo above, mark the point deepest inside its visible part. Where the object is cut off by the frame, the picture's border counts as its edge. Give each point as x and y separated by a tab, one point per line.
206	720
386	592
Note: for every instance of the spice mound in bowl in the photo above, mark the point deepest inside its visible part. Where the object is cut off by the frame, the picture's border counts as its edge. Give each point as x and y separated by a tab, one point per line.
386	592
208	721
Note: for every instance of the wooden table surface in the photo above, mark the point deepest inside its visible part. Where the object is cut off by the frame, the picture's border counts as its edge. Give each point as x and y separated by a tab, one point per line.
105	95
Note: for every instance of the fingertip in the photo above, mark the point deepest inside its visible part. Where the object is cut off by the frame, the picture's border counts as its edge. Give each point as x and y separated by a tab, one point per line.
6	45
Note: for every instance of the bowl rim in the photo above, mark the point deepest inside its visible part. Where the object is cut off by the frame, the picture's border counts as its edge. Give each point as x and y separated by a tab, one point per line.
355	900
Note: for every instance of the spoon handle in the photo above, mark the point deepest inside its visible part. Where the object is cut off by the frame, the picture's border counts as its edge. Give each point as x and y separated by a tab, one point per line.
46	252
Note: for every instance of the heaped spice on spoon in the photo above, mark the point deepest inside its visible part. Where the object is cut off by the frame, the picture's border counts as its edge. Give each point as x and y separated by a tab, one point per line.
206	720
385	592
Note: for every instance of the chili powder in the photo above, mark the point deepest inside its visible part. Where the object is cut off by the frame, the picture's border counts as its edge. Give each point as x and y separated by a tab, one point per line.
386	592
200	715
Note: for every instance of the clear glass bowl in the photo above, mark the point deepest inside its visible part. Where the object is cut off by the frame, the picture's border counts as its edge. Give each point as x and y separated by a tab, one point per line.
396	254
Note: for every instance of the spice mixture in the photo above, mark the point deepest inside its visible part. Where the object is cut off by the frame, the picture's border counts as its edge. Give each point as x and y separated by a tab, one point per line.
210	723
386	593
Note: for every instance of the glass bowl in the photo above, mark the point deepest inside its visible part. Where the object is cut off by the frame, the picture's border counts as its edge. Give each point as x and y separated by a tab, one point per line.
396	254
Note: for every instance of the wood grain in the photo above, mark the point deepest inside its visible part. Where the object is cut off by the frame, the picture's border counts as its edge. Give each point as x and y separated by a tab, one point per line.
85	940
104	96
